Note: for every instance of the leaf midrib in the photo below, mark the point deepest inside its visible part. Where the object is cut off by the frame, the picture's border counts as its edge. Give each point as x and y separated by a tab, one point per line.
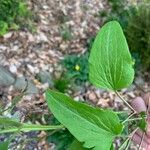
82	118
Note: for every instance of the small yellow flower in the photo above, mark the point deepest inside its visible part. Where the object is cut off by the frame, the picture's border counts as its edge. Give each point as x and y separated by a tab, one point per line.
77	67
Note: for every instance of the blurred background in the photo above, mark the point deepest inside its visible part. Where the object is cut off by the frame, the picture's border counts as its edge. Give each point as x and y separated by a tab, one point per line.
46	44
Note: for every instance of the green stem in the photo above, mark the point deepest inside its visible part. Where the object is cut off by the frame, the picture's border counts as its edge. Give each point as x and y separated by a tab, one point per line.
133	119
128	118
141	141
117	93
32	127
128	140
125	144
121	112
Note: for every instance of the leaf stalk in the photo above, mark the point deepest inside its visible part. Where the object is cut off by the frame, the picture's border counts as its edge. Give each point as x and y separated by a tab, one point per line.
31	127
117	93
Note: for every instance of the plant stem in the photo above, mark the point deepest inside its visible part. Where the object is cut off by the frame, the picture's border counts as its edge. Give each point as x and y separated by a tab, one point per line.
132	134
121	112
117	93
124	144
128	140
141	140
129	117
32	127
133	119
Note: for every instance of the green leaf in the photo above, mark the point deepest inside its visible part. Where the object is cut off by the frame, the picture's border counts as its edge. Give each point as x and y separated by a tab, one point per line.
112	147
143	123
8	122
95	127
62	139
110	62
4	145
76	145
3	27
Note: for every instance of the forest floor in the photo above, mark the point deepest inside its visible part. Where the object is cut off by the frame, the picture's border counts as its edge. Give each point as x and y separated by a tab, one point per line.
27	54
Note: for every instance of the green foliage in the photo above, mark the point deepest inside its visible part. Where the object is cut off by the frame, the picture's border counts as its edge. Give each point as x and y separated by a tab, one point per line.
62	139
114	68
138	34
135	21
85	122
12	13
122	117
110	68
61	84
65	33
77	67
4	145
8	122
143	123
3	27
120	11
76	145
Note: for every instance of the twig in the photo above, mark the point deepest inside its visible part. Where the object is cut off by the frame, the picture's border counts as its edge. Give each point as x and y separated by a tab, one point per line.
140	145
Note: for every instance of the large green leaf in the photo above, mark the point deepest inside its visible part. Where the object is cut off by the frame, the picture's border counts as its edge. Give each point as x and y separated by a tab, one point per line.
110	62
76	145
4	145
95	127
